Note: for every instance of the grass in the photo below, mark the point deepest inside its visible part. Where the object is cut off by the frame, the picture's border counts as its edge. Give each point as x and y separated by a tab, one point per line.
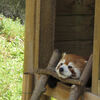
11	58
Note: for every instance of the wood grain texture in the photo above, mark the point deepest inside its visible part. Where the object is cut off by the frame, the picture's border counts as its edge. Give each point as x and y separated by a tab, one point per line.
82	48
29	36
46	32
75	7
52	73
99	87
96	48
74	28
28	84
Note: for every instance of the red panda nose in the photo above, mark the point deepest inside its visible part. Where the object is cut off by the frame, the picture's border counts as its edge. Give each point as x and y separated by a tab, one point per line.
61	70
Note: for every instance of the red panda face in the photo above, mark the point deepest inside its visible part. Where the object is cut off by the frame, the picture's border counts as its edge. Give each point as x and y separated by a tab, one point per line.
70	66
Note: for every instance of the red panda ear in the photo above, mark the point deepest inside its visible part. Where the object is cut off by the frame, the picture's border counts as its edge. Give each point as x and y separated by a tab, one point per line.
85	62
63	55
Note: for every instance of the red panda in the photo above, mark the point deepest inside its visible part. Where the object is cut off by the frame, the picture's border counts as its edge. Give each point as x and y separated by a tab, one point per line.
70	66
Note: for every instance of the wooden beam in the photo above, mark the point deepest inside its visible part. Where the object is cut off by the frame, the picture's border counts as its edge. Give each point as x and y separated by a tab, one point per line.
96	50
29	36
44	34
54	74
99	87
29	49
90	96
44	38
28	84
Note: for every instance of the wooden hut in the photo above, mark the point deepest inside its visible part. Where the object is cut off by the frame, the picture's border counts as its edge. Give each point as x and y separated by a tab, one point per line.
68	25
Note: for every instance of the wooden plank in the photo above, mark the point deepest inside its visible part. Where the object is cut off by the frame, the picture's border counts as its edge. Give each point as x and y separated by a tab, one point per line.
96	53
99	87
76	26
90	96
27	86
46	32
52	73
29	36
73	20
82	48
75	7
29	51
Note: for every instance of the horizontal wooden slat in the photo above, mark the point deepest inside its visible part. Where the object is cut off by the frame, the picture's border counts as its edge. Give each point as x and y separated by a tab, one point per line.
82	48
74	28
90	96
75	6
52	73
73	20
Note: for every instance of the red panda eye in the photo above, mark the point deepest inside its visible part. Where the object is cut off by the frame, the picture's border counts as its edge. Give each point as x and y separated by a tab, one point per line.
61	64
69	66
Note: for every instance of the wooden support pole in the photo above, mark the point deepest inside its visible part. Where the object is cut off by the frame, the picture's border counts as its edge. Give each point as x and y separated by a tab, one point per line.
28	84
29	50
96	50
76	91
41	83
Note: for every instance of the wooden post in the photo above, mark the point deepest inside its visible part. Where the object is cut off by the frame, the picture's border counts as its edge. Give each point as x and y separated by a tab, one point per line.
96	50
44	33
29	49
39	36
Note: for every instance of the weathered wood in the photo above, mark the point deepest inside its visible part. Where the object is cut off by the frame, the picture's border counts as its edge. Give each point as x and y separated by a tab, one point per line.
99	87
96	49
76	26
28	84
82	48
41	83
46	32
75	7
29	36
90	96
52	73
29	49
78	90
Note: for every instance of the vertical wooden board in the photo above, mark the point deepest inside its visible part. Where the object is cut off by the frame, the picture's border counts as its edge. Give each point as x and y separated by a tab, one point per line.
27	86
37	35
96	52
47	28
29	36
99	87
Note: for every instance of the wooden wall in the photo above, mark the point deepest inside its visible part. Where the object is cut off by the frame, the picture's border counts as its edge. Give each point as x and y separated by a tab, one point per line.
74	26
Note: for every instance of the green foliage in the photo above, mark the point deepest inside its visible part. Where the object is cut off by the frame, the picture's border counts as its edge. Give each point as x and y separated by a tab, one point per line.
11	58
